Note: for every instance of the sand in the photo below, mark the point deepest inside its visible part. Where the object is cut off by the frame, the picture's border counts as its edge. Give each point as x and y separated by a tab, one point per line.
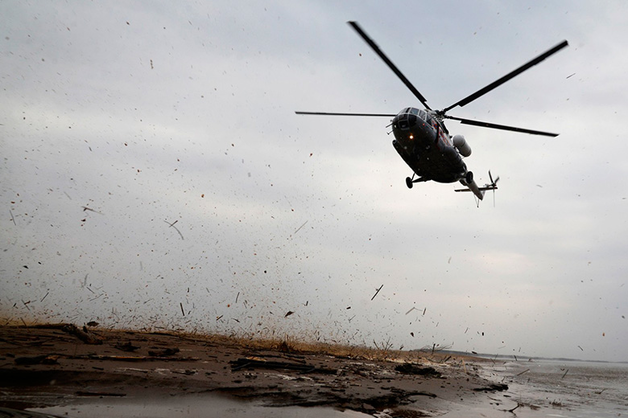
52	365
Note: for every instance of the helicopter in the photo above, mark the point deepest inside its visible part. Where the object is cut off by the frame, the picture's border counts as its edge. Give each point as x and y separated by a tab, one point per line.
423	141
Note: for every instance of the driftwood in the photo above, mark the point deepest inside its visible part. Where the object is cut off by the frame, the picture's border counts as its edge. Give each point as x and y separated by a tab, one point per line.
493	387
409	368
84	334
242	363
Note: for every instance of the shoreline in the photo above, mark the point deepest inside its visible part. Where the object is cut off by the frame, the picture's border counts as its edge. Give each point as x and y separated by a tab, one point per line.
65	370
60	364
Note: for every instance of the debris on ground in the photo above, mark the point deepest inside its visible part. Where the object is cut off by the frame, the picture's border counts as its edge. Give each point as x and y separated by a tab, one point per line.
252	363
409	368
85	335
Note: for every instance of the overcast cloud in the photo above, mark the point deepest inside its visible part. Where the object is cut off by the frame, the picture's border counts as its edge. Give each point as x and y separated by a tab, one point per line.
149	113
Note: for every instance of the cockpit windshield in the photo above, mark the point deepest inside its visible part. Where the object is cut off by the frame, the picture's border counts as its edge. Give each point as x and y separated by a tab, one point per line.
418	112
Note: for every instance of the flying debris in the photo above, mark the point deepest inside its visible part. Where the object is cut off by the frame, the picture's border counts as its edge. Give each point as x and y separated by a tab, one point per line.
377	291
177	229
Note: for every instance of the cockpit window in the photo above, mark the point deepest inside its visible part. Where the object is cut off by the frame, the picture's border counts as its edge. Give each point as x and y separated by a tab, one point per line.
414	111
418	112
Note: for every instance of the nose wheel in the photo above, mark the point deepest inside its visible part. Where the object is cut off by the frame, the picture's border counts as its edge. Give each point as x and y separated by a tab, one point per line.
411	180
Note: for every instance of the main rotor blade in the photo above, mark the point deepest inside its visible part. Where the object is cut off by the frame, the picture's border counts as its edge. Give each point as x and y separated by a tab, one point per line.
390	64
345	114
502	127
507	77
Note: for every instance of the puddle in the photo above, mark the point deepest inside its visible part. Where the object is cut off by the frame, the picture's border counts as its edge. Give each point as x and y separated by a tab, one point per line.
206	406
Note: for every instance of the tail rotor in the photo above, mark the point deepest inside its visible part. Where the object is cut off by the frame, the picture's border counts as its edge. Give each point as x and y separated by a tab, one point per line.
479	191
493	185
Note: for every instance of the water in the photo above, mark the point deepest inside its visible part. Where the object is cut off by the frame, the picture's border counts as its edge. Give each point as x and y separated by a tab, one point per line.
575	389
189	406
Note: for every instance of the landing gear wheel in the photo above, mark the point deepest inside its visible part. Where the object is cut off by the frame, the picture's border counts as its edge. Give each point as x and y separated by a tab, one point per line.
469	177
409	182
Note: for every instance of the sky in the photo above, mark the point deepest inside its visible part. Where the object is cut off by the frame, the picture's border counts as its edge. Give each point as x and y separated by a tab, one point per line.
154	174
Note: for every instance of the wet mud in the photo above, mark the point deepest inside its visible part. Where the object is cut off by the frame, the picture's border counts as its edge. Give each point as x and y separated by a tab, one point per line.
55	365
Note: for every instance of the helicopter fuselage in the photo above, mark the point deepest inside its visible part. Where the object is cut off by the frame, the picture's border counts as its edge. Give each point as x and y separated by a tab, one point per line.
424	143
